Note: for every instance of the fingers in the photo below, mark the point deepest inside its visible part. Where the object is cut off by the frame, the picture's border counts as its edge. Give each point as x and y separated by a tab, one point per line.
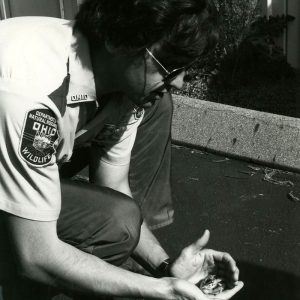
223	259
227	294
225	266
228	266
183	289
230	276
202	241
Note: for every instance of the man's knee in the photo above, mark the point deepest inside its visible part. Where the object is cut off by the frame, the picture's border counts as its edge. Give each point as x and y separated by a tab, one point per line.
99	220
160	113
164	110
127	219
117	241
166	104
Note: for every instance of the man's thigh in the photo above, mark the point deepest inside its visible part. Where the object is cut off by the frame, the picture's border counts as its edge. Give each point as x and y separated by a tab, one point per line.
99	220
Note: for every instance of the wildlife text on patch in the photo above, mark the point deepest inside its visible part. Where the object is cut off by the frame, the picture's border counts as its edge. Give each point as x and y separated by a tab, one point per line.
39	137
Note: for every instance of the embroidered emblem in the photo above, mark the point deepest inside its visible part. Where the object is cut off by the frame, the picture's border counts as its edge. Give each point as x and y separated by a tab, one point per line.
39	137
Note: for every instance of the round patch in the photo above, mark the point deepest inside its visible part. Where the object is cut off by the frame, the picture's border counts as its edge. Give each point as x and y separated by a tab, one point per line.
39	137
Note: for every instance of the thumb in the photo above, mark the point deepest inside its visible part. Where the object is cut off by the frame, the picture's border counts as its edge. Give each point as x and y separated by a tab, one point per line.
203	240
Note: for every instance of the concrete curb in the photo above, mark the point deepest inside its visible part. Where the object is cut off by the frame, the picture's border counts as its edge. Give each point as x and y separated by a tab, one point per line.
247	134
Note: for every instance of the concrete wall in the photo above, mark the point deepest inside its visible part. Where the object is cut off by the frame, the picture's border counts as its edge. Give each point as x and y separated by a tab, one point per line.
257	136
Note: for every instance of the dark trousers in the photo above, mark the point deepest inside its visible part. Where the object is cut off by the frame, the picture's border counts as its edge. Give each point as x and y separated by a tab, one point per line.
107	223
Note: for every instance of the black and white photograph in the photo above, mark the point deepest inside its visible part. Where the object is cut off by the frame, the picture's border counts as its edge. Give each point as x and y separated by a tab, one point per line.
149	149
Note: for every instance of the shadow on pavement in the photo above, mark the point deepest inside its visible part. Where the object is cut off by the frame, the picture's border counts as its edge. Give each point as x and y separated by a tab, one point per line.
267	284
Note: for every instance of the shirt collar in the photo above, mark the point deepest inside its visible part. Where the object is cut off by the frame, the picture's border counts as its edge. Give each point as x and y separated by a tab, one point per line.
82	84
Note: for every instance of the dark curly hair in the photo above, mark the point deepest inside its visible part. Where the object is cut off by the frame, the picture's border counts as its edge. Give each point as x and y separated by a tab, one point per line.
183	29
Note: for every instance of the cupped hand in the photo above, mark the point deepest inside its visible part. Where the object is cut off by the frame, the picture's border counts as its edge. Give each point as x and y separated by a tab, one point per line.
182	289
195	263
228	293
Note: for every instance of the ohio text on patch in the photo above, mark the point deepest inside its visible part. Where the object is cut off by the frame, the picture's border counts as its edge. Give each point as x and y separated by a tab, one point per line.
39	137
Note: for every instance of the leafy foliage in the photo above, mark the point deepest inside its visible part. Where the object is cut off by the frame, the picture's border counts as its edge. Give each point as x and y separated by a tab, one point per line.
246	60
256	57
235	18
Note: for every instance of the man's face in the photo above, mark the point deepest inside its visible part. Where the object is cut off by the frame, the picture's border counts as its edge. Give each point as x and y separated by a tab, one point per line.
143	81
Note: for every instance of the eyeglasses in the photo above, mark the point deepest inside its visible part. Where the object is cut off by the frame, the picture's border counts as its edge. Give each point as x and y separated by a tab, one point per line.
171	75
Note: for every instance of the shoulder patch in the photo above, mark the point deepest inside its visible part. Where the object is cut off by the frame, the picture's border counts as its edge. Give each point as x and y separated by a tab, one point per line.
39	137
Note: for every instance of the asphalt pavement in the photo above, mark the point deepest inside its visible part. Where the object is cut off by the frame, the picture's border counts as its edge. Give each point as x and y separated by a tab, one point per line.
252	212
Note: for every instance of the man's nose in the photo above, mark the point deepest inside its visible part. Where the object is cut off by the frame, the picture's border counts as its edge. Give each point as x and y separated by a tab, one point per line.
178	81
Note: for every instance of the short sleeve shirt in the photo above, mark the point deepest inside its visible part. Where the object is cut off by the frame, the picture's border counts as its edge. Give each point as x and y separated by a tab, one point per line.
40	125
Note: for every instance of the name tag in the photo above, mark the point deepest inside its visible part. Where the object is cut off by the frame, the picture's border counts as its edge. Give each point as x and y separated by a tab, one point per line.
76	98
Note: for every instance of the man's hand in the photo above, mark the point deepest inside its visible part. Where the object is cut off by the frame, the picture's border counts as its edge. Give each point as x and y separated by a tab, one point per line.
227	294
195	263
182	289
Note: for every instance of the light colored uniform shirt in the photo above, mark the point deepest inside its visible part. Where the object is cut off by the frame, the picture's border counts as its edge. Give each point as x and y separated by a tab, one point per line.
39	126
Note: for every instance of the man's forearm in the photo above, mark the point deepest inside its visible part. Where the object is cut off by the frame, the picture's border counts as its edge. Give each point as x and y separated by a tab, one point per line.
149	249
42	257
75	270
